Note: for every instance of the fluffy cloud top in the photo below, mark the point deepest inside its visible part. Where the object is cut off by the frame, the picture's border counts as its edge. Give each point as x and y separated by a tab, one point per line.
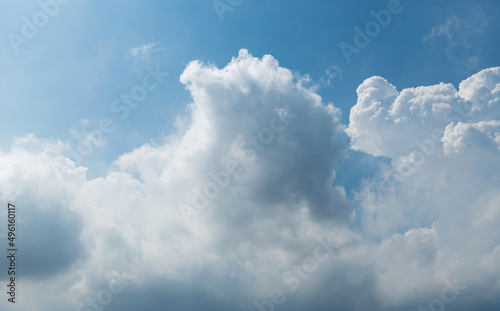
444	176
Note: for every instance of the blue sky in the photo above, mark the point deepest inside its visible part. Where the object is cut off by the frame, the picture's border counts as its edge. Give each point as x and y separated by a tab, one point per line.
212	77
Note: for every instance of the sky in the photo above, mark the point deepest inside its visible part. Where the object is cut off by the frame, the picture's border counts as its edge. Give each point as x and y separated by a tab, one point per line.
251	155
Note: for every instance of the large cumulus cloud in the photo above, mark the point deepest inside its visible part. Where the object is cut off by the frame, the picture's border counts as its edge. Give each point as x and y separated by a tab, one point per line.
268	145
239	202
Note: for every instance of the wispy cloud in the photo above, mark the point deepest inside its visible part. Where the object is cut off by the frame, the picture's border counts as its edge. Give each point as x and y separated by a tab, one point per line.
87	137
451	30
332	75
145	50
457	33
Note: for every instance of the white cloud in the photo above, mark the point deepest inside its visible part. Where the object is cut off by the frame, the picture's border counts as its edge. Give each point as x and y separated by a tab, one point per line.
439	224
453	185
252	112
